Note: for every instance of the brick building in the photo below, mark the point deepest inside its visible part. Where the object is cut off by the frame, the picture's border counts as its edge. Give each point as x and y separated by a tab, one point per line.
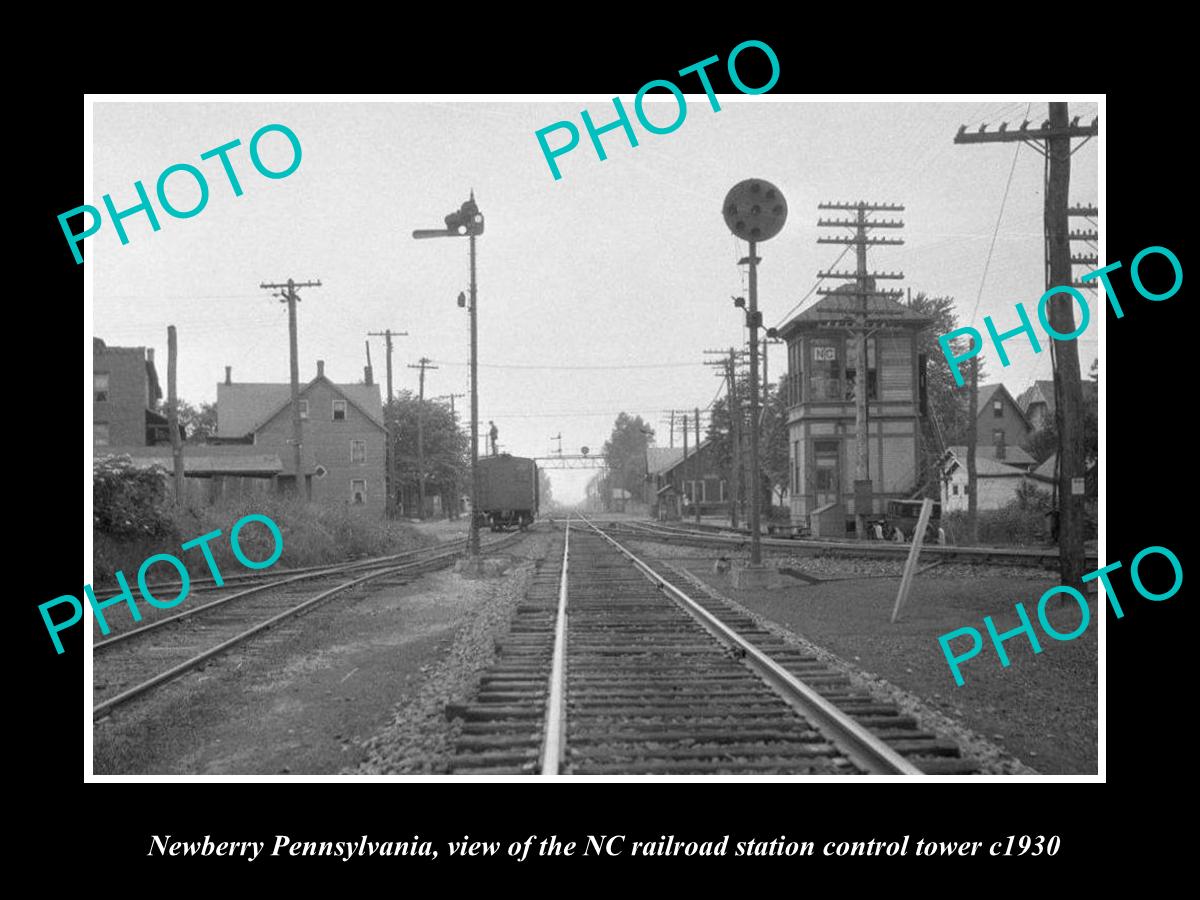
344	437
125	397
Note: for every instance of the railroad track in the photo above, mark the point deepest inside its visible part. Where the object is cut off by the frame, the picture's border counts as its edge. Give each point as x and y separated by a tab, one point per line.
611	669
206	583
136	661
689	537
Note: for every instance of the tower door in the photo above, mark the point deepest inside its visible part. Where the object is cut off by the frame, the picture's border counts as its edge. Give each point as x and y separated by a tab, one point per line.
827	472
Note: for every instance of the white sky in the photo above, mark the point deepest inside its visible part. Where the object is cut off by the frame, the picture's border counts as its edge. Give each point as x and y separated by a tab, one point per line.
625	264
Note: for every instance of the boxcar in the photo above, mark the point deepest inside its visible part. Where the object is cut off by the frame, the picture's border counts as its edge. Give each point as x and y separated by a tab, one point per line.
508	491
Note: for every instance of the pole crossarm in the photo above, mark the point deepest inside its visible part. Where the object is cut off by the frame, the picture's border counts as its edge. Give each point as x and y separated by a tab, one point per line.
864	205
864	240
1024	133
854	275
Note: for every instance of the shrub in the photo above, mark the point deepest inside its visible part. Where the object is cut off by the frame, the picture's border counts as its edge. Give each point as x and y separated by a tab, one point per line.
1011	524
127	501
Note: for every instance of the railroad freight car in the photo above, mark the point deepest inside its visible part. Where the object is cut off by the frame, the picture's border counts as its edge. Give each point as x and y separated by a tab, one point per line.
508	491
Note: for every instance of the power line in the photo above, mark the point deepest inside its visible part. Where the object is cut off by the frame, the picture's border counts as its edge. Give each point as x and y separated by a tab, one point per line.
670	365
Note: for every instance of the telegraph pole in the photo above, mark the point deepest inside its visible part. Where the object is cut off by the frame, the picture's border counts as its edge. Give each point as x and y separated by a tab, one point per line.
972	445
453	471
390	457
173	414
423	363
683	466
864	291
287	294
1053	141
696	465
728	371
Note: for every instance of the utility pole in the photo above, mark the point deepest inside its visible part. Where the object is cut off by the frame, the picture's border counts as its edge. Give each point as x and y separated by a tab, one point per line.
683	466
671	431
453	471
863	292
173	414
1053	141
390	457
423	363
698	481
728	365
972	445
287	294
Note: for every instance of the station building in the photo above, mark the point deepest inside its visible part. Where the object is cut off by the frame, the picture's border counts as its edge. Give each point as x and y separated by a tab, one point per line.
821	385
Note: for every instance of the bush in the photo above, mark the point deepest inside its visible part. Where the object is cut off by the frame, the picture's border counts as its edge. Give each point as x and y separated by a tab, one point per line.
312	535
129	502
1011	524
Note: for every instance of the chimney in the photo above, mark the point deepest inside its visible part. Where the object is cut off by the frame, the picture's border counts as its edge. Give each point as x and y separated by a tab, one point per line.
150	355
320	368
367	375
229	374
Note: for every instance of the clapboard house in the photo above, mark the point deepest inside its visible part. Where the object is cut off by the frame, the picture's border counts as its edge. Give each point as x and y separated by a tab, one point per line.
821	384
344	437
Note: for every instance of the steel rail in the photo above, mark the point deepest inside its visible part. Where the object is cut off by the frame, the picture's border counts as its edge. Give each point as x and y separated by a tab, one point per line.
189	664
882	549
554	742
158	623
861	747
207	582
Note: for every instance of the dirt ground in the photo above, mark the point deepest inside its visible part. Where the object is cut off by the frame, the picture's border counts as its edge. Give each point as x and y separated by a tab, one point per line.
1042	708
306	696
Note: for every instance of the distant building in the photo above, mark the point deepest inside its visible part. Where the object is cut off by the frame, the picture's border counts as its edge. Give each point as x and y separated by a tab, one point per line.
821	385
1037	401
125	398
678	483
344	437
1000	424
996	482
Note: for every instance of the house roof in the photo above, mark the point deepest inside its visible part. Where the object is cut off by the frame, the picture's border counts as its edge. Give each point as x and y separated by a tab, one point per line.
1045	472
842	304
1013	456
985	467
692	452
660	459
989	392
1042	391
244	407
200	461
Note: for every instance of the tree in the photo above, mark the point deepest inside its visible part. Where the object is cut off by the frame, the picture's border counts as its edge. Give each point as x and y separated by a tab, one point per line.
199	423
625	452
446	446
949	416
773	444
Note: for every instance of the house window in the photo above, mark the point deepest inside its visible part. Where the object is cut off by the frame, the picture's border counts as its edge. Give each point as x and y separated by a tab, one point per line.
998	409
303	404
795	367
358	451
723	490
795	467
358	491
851	366
954	489
100	386
998	437
825	380
100	434
339	410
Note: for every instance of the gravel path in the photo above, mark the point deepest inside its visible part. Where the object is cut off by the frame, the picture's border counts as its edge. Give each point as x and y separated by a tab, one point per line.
420	739
1041	709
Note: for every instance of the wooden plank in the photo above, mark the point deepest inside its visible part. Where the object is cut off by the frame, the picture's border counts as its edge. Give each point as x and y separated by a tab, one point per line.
913	552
